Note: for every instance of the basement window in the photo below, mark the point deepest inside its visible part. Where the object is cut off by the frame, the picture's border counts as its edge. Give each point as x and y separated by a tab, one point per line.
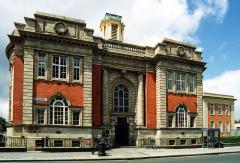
58	143
171	142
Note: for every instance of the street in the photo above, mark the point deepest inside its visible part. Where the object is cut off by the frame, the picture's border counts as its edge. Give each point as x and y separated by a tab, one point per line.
220	158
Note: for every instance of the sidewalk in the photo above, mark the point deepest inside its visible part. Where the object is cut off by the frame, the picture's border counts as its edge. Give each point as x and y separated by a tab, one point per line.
114	154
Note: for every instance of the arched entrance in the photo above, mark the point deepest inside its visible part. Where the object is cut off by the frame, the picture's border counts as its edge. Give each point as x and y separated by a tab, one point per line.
122	132
121	105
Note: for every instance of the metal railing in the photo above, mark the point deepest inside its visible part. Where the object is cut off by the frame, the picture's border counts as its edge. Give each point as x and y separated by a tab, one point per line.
16	142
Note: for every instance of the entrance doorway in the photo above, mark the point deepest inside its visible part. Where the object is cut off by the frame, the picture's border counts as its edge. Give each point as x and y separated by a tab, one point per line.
122	132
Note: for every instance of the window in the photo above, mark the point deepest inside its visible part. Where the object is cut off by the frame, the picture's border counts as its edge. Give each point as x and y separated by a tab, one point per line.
181	117
76	143
170	120
171	142
58	143
76	69
193	141
41	65
39	143
227	109
40	116
191	83
183	142
75	117
220	125
212	124
192	121
211	109
219	109
169	80
59	67
58	111
120	99
228	126
180	82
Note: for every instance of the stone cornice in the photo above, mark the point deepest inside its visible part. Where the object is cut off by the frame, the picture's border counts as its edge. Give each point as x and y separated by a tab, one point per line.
56	38
193	63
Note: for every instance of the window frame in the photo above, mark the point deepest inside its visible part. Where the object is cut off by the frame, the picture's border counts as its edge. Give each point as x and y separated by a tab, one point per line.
43	116
125	108
227	107
181	118
212	108
79	117
170	125
181	82
192	83
59	66
220	113
212	126
54	111
170	81
79	68
220	126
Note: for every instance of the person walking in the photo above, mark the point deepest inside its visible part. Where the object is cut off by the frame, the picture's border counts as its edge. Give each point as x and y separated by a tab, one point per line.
97	144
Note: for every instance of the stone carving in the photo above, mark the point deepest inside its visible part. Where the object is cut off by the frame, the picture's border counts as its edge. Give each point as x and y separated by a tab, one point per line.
60	28
181	51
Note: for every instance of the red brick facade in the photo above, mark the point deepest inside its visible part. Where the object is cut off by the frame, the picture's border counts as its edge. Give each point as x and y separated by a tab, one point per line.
97	95
71	91
17	89
174	100
150	99
216	117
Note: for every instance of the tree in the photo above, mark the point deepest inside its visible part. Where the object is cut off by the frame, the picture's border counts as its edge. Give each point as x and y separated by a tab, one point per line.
237	121
3	124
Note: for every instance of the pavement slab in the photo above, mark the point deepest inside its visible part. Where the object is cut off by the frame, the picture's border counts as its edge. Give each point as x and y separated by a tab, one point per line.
114	154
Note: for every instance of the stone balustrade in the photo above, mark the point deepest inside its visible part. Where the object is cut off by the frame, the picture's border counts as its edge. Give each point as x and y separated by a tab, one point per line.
123	47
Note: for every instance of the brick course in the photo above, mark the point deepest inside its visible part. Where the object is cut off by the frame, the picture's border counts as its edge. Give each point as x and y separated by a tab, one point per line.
72	91
176	99
17	90
150	100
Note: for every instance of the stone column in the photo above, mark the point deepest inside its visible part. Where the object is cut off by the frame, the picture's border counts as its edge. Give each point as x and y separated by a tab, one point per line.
140	101
105	98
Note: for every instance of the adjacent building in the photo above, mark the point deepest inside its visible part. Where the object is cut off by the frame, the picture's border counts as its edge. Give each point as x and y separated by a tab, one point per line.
219	112
68	83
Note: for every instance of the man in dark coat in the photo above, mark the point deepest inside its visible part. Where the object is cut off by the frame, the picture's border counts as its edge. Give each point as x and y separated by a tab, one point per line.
99	140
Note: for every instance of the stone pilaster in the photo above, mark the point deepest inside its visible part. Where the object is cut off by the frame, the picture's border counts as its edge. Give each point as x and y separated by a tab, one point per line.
140	101
105	98
28	86
161	97
199	120
87	91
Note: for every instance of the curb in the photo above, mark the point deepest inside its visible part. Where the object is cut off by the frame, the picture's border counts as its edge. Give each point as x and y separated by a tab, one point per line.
120	158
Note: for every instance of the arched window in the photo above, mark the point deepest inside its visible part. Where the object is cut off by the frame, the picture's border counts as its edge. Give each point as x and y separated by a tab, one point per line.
181	117
58	111
121	98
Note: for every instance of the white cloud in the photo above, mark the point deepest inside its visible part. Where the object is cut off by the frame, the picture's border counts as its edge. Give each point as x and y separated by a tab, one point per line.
147	21
4	108
227	83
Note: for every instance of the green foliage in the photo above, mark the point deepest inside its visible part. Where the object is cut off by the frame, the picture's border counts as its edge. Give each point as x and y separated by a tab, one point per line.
237	121
231	139
3	124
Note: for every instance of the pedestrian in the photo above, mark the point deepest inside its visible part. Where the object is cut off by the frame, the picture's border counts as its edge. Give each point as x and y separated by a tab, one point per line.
99	139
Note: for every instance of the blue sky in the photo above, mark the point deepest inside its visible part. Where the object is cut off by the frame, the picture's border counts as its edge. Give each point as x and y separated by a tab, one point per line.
213	25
